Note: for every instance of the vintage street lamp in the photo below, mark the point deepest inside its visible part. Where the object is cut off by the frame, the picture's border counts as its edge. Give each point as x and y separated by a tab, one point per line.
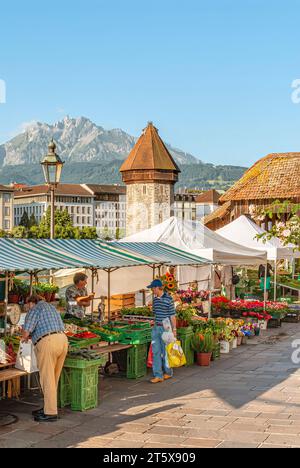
52	167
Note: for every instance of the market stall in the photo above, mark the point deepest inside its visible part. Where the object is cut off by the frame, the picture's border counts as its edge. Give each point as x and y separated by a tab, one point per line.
245	232
88	340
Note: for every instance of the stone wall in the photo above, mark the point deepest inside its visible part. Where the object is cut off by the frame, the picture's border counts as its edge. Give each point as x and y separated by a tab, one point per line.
148	205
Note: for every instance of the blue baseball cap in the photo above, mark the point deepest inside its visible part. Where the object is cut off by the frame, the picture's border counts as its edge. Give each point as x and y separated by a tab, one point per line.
155	284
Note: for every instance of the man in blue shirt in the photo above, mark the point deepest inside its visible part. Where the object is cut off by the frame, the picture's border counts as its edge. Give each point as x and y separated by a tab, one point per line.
163	308
44	325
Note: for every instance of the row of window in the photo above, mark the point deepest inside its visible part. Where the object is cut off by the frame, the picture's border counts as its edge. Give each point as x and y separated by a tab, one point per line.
110	224
111	206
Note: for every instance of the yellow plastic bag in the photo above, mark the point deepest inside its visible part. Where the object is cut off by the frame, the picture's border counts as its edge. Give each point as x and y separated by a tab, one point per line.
175	354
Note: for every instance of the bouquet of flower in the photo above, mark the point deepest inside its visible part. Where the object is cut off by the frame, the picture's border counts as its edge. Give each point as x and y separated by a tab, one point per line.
169	282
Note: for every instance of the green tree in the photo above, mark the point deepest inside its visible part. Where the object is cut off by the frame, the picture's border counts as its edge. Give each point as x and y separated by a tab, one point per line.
19	232
63	228
32	221
25	220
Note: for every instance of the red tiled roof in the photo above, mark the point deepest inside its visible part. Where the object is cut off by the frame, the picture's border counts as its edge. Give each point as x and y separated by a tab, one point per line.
149	153
210	196
62	189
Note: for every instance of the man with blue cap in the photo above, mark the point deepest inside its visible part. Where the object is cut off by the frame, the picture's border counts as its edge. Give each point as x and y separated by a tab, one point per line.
163	308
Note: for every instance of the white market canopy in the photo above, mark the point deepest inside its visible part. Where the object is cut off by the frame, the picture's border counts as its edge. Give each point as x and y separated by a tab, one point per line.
197	239
244	231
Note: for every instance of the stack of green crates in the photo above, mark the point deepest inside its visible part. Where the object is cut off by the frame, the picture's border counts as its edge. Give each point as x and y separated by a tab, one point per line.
79	384
137	361
185	335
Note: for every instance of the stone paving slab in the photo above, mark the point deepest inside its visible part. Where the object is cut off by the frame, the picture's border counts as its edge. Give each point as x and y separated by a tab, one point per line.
249	399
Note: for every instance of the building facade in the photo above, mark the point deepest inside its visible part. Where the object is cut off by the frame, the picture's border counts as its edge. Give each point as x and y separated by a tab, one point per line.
207	203
149	173
109	209
274	177
6	208
89	205
74	198
185	207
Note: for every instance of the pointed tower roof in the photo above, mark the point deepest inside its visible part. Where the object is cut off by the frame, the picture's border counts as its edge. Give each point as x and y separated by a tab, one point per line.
149	153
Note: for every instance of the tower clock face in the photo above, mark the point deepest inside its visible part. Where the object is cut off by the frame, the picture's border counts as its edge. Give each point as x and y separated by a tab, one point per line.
13	313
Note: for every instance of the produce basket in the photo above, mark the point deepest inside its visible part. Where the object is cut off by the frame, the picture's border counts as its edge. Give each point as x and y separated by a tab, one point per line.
78	343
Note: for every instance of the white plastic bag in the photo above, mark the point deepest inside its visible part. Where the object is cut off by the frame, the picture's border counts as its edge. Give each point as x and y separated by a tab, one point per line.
167	336
26	358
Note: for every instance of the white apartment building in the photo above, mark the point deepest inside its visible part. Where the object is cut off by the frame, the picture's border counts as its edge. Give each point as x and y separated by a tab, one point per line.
185	206
77	200
91	205
109	209
6	208
193	207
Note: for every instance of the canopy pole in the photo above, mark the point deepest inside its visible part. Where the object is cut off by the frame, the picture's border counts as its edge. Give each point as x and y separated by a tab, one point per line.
6	301
108	293
31	283
210	290
265	287
93	285
275	280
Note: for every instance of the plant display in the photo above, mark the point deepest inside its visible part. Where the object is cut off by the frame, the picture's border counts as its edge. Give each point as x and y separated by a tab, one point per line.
169	282
203	342
185	313
142	311
190	296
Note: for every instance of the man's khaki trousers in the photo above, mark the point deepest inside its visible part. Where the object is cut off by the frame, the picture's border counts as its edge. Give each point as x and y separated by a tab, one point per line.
51	352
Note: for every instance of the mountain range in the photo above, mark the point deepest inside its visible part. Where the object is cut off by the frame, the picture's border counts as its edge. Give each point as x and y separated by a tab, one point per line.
94	155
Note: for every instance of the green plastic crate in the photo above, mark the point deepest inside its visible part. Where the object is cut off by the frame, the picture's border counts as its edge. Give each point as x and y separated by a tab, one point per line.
186	344
64	396
137	361
136	337
78	343
84	380
108	336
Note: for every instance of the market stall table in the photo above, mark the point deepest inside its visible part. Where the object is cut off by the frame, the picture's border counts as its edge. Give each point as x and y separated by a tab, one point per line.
12	377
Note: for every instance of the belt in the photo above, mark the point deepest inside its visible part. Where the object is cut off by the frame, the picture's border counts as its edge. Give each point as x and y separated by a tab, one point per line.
48	334
159	324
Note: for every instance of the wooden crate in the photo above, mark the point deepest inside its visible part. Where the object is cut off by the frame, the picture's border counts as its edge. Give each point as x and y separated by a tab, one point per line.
120	301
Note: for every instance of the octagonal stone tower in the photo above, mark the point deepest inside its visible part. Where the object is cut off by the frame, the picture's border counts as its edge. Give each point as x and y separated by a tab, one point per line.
150	174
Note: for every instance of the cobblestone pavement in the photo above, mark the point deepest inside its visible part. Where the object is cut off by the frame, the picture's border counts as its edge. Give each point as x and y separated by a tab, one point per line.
249	398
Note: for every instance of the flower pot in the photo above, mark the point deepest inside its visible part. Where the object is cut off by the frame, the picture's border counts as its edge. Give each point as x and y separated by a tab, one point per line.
239	340
231	345
203	359
13	298
225	347
206	307
234	343
263	324
181	323
53	297
244	340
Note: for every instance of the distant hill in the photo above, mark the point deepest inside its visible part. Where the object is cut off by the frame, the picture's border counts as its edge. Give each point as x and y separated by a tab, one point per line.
200	175
94	155
78	140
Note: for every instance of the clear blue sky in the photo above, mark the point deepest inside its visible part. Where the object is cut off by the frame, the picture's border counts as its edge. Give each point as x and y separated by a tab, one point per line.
215	76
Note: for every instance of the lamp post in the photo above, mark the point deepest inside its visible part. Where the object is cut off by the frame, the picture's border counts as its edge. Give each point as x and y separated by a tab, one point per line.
52	167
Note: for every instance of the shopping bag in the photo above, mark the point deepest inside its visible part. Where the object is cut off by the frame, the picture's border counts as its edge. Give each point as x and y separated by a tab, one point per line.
150	357
176	357
26	358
